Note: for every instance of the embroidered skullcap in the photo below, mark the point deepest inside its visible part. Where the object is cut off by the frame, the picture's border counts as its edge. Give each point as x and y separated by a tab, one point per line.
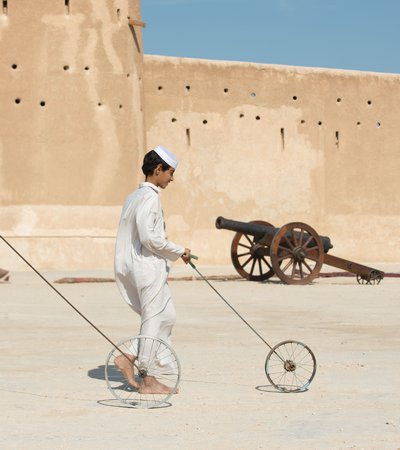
167	156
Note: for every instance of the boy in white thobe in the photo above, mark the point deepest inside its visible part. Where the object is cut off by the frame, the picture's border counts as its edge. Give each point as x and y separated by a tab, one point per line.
141	255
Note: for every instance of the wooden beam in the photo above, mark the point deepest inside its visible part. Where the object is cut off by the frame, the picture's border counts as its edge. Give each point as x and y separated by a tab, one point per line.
137	23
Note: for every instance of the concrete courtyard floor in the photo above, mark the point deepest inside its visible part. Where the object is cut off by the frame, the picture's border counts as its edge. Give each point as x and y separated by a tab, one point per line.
54	396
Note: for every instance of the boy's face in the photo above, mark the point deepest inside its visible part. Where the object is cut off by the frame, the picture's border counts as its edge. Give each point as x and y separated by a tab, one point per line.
163	178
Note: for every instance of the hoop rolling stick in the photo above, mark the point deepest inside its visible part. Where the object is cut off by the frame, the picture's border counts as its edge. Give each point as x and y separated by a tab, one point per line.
290	366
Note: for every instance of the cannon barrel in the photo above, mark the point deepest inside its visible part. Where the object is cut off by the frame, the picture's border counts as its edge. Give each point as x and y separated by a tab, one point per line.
260	231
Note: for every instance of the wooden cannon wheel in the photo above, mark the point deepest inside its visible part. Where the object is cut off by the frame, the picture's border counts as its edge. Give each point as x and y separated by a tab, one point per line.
250	260
297	253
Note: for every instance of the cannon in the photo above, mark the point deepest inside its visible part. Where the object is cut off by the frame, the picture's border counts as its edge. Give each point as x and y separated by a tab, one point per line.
294	253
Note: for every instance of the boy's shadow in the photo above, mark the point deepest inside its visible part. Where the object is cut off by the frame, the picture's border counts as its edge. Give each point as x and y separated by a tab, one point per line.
99	373
114	376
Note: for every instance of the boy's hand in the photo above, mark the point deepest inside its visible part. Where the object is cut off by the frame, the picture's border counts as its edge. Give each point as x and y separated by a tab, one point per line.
186	256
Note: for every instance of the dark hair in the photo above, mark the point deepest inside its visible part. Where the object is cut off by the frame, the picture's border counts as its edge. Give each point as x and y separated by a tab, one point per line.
150	161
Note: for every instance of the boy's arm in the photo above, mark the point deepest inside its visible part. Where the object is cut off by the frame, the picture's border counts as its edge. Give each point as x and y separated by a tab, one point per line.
151	235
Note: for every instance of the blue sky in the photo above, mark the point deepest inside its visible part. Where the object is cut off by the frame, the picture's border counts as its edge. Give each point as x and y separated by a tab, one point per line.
344	34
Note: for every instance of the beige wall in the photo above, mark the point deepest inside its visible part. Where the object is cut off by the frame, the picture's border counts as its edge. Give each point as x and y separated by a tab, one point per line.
266	142
279	144
71	127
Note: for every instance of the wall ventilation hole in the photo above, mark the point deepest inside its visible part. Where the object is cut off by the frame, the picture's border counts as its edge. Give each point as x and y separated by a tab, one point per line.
226	90
241	115
188	136
283	138
128	75
173	119
42	103
5	7
319	123
339	100
66	3
253	94
160	88
87	68
14	66
369	102
121	106
17	101
258	117
118	13
294	97
205	122
358	123
337	139
99	104
187	88
378	124
66	67
302	121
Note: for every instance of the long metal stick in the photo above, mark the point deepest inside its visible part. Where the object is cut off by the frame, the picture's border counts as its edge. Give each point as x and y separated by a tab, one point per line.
230	306
62	296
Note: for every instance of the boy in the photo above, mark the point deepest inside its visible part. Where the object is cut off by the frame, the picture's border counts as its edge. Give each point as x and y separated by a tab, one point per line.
141	255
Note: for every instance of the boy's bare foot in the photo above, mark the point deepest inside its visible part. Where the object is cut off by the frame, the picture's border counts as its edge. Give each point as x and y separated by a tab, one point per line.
151	385
125	364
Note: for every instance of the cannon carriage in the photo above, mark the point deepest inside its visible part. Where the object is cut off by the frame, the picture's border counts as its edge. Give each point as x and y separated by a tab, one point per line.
294	253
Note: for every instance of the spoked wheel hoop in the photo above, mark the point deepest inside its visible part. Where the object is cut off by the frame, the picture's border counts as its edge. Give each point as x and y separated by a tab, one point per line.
290	366
151	357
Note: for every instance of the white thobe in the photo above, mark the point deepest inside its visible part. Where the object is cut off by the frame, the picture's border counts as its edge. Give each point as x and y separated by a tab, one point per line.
141	254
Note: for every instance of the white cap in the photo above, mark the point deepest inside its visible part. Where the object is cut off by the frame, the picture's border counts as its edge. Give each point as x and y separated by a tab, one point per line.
167	156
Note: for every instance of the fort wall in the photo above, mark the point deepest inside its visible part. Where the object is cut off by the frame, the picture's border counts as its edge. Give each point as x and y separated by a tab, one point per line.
281	144
79	106
71	127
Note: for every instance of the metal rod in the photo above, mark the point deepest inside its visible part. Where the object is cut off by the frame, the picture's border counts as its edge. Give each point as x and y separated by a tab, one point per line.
230	306
62	296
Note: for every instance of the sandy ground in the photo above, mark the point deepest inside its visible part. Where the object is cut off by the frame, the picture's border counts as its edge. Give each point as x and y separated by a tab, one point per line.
54	396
